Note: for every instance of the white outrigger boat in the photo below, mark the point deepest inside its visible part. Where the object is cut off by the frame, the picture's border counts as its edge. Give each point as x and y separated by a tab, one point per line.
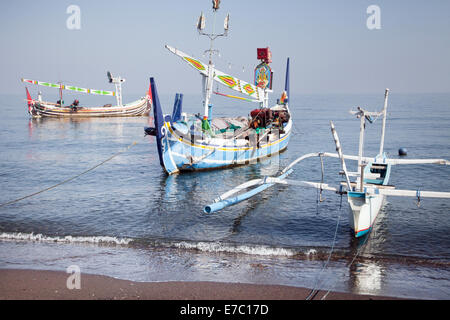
39	108
365	195
190	142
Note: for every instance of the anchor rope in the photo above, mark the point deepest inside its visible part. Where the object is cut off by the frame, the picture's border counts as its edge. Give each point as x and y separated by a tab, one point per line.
363	245
314	290
353	260
69	179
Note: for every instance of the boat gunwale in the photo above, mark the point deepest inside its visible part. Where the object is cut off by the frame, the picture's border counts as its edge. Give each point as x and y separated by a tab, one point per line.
181	139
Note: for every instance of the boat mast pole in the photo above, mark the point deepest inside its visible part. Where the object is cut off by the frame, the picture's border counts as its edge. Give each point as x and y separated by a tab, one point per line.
209	79
119	92
362	127
212	36
60	94
383	129
361	165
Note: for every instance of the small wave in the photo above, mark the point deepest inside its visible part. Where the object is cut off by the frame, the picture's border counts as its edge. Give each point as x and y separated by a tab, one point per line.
14	236
218	247
311	252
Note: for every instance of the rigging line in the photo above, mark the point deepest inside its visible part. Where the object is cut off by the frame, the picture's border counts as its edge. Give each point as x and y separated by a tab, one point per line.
354	258
69	179
314	290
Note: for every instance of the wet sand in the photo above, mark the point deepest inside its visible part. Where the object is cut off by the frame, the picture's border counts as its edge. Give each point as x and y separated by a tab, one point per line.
52	285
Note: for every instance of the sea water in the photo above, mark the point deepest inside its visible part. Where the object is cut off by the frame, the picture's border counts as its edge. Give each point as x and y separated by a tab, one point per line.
128	219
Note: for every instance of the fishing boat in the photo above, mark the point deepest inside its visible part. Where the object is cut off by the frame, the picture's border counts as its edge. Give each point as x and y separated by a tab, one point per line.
40	108
365	194
190	142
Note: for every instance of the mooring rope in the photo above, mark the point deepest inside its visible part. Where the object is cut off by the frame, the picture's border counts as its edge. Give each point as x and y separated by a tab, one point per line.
353	260
363	245
69	179
314	290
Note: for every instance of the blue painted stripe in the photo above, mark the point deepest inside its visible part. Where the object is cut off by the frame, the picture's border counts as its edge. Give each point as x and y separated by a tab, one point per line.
363	232
356	194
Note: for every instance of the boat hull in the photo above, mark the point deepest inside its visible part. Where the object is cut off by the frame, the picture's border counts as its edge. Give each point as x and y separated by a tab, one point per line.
364	210
364	207
179	153
140	107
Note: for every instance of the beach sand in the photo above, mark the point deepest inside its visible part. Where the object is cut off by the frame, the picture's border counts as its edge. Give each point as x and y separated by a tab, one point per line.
51	285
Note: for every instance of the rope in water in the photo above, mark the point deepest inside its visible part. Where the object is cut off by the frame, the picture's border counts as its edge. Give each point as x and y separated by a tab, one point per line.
363	245
70	179
353	260
314	290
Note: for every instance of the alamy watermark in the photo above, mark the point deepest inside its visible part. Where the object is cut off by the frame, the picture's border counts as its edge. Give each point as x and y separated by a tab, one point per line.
73	22
374	20
74	280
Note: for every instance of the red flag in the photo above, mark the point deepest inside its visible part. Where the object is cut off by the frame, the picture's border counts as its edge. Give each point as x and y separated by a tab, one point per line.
30	100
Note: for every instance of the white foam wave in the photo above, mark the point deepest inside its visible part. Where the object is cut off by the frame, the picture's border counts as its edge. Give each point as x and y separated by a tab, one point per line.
14	236
311	252
218	247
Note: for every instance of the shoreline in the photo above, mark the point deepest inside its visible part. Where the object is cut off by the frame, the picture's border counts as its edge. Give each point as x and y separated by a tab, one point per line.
25	284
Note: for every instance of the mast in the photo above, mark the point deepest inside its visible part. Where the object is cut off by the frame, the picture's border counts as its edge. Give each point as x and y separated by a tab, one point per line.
362	127
208	82
118	84
364	115
383	129
60	94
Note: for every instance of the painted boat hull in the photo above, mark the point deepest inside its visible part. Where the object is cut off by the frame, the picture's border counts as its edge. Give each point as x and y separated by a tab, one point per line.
179	153
364	208
188	143
140	107
363	211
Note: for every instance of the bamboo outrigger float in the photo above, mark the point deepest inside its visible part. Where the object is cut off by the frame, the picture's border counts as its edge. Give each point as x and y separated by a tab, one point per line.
365	195
188	142
39	108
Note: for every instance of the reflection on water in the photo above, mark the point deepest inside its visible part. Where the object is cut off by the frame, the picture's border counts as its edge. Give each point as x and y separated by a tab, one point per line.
366	278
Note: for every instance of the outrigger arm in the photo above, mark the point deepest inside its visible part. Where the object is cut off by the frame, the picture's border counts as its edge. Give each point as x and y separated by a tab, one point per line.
229	198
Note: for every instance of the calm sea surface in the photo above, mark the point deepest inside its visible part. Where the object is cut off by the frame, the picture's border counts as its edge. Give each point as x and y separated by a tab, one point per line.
129	220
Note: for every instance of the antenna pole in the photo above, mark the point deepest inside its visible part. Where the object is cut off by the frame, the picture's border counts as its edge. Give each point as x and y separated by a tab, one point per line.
209	80
212	36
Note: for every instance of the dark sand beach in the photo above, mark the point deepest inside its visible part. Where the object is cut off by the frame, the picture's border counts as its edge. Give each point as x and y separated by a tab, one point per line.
51	285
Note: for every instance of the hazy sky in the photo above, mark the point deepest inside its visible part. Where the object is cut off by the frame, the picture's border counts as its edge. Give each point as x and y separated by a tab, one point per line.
331	48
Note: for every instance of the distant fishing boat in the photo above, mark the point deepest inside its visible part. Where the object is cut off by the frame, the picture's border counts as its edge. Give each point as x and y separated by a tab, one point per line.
365	195
39	108
188	142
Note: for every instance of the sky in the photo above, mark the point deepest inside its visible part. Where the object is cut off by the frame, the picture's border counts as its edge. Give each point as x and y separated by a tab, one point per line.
330	46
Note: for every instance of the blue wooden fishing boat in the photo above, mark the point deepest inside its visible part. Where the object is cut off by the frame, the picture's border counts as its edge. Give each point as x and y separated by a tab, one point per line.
188	142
